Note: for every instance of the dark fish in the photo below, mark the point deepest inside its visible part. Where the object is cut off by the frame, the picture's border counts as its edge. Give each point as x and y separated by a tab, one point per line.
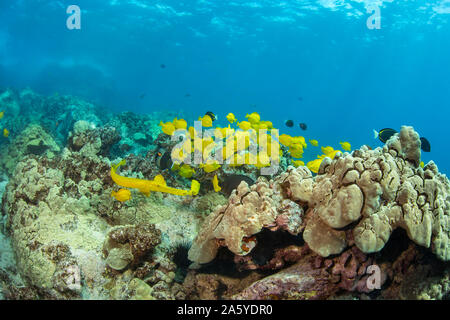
384	134
425	144
164	160
303	126
289	123
231	182
187	95
163	66
142	96
300	99
212	115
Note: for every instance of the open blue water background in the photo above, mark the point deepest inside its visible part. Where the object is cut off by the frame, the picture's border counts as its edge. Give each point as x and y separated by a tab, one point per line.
244	56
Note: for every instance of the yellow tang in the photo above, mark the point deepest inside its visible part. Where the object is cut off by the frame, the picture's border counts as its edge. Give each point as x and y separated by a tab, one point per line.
2	114
253	117
180	123
314	143
206	121
298	163
244	125
186	171
314	165
5	133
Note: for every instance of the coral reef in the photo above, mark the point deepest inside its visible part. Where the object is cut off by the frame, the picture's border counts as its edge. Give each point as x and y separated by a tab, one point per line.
294	235
347	214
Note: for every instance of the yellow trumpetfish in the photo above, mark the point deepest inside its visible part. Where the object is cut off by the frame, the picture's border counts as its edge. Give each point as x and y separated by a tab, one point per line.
158	184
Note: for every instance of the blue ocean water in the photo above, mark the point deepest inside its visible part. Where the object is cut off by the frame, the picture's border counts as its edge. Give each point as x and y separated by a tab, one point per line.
315	62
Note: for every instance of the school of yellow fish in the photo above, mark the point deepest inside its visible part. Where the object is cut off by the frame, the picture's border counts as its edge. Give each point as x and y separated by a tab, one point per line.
5	131
231	135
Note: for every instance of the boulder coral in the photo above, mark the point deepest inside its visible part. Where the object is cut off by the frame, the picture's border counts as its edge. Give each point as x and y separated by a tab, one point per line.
358	198
249	210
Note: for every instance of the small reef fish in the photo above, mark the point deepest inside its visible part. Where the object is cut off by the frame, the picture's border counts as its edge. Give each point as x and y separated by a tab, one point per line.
163	159
158	184
314	165
186	171
303	126
244	125
215	182
346	146
298	163
253	118
385	134
6	133
206	121
285	139
211	115
314	143
121	195
289	123
168	127
425	144
231	118
2	114
210	167
162	66
329	152
180	124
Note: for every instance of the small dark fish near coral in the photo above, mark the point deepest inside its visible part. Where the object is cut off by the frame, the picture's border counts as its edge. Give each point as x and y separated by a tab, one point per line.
211	115
303	126
142	96
231	182
386	133
289	123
